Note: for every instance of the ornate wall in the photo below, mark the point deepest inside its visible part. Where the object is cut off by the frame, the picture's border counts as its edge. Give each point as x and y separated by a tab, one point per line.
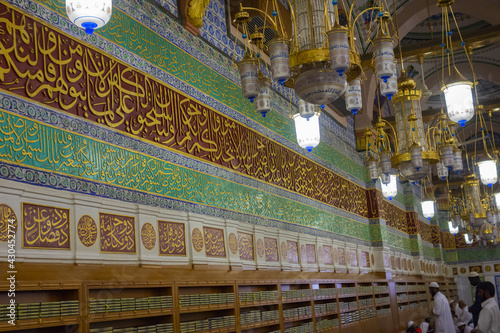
147	117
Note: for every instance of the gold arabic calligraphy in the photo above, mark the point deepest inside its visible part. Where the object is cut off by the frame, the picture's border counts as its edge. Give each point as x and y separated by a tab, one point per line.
45	227
214	242
41	64
245	246
172	238
117	233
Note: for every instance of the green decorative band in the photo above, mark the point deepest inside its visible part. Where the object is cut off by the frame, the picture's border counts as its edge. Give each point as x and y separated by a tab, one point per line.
33	144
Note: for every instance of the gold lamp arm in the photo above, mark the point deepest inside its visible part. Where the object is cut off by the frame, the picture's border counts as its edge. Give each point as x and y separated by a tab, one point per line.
275	27
294	21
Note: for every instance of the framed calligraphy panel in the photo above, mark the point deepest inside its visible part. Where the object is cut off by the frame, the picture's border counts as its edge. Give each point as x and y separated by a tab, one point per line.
7	215
354	258
477	269
365	259
117	233
214	242
311	253
327	253
271	246
45	227
172	238
245	246
293	252
341	255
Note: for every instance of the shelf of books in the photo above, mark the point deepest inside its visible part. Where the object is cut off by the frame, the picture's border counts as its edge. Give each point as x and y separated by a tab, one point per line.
234	306
326	315
259	306
130	307
451	291
207	308
41	306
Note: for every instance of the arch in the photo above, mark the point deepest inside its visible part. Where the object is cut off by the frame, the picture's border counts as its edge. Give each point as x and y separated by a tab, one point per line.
415	12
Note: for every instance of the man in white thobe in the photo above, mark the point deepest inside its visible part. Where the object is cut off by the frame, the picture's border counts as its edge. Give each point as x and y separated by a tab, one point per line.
489	317
441	310
465	316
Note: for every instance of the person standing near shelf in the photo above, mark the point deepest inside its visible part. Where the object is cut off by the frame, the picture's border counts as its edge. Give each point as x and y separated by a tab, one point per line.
441	310
489	317
476	307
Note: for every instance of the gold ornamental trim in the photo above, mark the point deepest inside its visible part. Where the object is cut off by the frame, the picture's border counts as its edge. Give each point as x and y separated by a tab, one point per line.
412	94
431	156
309	56
277	40
196	11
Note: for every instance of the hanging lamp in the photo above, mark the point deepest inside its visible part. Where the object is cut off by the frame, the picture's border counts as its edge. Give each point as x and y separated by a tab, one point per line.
488	172
391	189
89	14
307	126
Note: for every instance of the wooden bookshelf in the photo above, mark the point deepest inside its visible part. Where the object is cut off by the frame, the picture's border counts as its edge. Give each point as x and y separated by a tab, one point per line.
197	301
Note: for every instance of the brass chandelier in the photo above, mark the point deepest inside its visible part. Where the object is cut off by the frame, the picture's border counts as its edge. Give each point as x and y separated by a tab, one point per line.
319	61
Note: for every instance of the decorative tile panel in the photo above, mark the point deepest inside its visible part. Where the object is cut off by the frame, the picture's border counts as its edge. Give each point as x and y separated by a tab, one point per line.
170	5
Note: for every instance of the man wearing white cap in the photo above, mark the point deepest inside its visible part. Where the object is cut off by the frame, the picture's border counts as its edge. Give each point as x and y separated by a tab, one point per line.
441	310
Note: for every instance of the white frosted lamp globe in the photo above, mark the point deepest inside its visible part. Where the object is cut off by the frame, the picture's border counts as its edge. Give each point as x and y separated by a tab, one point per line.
307	130
459	101
488	172
89	14
428	208
390	190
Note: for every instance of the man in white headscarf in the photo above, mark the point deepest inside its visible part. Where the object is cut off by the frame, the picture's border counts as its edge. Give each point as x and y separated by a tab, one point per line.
441	310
